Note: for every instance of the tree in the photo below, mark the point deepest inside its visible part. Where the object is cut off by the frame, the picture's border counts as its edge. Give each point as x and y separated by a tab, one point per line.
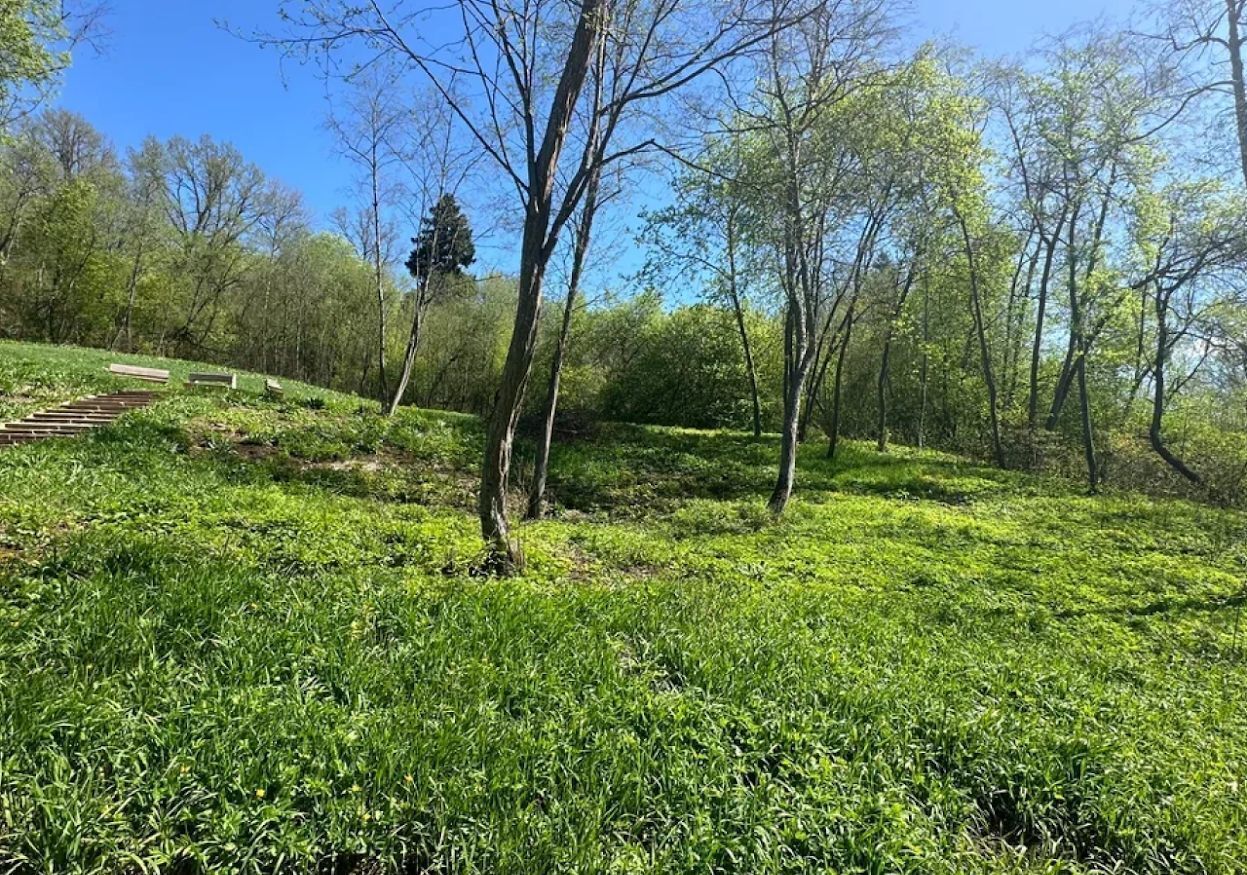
580	251
146	188
802	170
370	132
214	199
510	52
1206	40
1193	246
36	40
443	248
701	237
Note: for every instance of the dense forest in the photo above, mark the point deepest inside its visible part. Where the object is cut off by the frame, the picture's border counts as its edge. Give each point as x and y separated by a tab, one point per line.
1041	263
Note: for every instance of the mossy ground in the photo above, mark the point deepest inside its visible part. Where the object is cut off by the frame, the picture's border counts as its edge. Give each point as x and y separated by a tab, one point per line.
246	634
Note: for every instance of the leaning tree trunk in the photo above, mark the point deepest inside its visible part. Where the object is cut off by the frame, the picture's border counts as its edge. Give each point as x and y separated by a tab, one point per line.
541	464
1155	433
413	346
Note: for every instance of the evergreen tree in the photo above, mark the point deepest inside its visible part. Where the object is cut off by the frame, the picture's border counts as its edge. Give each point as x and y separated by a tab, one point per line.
444	246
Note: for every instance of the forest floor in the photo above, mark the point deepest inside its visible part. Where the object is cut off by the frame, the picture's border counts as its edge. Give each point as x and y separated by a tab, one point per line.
248	634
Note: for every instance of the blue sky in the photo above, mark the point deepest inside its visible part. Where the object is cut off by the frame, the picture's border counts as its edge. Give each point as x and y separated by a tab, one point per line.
167	69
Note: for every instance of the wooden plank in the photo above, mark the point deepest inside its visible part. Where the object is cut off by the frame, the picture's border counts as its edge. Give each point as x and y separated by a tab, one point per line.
228	381
272	387
71	416
154	375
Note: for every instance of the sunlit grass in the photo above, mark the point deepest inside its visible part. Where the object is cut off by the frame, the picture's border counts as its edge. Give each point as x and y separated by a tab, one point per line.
244	634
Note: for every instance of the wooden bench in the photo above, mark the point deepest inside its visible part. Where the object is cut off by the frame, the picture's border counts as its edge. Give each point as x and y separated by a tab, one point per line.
272	387
224	381
151	375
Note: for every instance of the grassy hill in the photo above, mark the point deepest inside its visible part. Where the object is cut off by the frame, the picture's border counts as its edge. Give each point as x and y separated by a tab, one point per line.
244	634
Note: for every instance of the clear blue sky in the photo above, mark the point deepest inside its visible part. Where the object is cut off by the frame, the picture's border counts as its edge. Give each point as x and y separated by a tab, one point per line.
168	69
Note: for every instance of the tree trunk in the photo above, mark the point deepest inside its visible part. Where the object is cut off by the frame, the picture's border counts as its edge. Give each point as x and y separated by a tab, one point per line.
1088	434
885	361
1235	47
881	427
541	464
537	492
1080	340
788	436
506	556
789	359
1015	314
833	439
1075	367
500	434
924	368
1155	433
739	310
1041	307
984	350
131	291
413	345
379	280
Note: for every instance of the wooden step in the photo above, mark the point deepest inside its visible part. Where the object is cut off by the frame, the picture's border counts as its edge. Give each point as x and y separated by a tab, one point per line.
70	416
74	417
43	429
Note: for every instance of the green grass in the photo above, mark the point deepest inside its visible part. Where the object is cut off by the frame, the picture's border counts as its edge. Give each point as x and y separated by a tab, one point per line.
241	634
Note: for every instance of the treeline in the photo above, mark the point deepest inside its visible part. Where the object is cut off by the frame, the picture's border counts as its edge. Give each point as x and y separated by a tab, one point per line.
186	249
1041	264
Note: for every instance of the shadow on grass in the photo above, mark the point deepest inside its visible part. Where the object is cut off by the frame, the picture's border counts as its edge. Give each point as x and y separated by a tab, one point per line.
635	469
1206	605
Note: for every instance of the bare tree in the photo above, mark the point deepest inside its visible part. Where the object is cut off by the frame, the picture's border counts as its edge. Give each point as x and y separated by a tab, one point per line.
508	53
370	129
1206	39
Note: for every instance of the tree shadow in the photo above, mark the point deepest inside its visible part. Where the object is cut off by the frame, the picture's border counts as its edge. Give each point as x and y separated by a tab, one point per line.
631	469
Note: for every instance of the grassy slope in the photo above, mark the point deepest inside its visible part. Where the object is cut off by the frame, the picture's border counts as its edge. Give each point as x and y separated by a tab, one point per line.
247	634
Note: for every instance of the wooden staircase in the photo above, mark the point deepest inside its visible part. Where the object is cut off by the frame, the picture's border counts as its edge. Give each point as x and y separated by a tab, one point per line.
73	418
